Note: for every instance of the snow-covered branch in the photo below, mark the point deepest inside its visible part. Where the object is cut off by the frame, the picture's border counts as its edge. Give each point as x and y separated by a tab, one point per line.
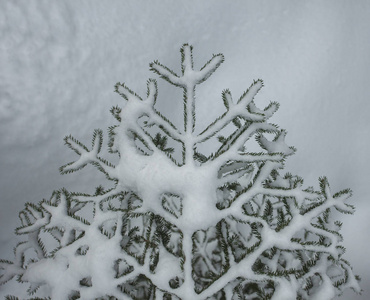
178	224
87	156
244	108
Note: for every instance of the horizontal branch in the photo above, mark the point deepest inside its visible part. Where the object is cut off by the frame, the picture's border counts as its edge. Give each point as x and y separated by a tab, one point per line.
315	248
296	193
259	157
98	198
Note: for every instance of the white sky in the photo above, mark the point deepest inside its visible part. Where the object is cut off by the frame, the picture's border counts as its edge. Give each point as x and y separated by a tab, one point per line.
59	61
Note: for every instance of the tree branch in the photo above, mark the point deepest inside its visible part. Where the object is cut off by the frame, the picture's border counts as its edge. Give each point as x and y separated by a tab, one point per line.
87	156
235	110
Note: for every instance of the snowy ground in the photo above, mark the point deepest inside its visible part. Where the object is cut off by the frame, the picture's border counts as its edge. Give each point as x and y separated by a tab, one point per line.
60	60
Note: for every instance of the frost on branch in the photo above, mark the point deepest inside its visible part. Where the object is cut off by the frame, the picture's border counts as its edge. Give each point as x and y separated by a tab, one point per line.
182	224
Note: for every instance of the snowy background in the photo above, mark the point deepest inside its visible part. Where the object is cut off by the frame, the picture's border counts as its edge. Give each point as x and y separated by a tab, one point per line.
59	61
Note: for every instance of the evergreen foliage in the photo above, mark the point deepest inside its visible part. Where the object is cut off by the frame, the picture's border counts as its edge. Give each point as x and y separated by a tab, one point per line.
181	224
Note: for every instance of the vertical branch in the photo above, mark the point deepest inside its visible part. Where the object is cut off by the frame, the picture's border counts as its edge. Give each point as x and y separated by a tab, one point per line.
189	79
189	118
186	290
189	101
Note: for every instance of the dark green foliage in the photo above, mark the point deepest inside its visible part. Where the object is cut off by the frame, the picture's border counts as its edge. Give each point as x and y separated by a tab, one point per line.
161	142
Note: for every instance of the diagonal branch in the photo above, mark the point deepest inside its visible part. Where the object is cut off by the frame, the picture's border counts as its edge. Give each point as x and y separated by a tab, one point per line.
166	73
241	108
242	269
165	125
209	68
228	151
87	156
147	107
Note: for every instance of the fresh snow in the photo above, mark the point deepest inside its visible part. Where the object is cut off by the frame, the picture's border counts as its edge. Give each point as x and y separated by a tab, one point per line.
183	215
44	51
